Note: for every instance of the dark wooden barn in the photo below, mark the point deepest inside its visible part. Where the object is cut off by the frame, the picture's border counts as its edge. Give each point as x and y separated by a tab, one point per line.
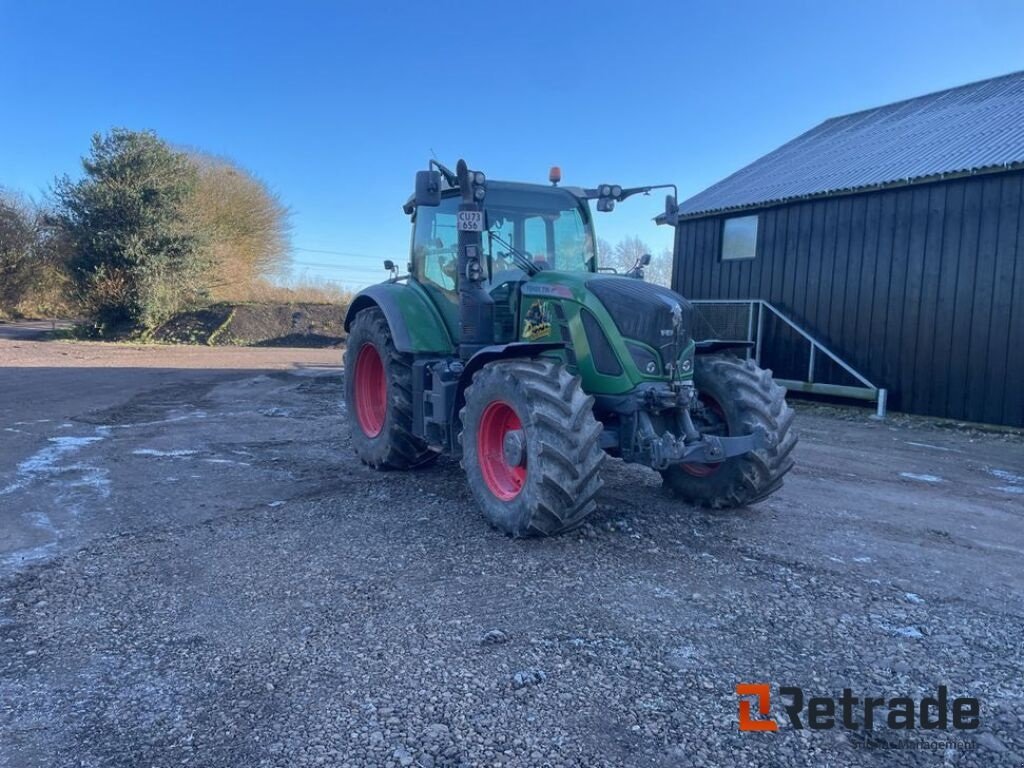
895	238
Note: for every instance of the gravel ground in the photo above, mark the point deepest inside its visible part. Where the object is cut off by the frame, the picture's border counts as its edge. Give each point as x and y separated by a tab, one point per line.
234	589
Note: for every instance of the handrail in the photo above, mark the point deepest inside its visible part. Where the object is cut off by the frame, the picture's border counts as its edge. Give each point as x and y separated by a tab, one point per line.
755	334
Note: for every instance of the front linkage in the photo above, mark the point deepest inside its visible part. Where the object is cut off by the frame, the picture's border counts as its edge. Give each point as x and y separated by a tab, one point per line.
638	440
661	452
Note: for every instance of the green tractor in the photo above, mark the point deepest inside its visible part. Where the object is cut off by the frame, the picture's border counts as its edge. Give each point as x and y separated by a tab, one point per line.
506	344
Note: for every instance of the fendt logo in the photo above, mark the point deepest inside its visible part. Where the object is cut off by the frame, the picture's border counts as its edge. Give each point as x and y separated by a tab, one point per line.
854	712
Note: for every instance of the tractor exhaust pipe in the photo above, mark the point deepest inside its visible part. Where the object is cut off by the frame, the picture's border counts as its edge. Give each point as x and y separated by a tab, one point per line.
476	307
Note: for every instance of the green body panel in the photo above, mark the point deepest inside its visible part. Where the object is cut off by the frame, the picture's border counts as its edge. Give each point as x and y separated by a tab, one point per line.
539	322
423	311
421	319
417	323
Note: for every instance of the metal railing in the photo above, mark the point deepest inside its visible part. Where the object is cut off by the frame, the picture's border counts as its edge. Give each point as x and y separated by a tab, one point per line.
744	320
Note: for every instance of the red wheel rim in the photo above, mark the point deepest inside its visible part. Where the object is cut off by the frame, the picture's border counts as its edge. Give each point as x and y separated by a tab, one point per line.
701	470
371	391
504	480
706	470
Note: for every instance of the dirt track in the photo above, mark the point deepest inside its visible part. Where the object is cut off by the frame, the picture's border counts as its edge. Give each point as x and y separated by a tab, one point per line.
195	570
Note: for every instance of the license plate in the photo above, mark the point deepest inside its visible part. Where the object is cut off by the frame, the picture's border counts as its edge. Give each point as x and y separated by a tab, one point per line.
471	221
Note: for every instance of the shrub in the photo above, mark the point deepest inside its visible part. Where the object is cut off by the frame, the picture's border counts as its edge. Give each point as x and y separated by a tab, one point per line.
135	257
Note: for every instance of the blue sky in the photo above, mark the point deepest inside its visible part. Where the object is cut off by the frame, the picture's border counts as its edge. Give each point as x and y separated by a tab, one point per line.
336	105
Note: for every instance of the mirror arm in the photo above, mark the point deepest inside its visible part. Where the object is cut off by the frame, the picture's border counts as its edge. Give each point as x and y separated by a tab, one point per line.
647	190
595	194
449	175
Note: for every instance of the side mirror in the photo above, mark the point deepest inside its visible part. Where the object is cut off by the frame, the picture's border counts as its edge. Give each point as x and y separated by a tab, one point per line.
645	260
428	188
671	210
389	265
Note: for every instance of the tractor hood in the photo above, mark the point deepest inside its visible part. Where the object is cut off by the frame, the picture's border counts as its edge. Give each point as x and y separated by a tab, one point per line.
646	316
642	311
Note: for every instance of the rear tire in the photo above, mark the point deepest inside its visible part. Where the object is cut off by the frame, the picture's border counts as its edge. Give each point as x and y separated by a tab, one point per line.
378	393
541	480
737	396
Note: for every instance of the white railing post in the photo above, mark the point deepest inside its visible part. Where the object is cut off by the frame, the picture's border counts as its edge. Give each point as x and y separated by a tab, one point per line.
760	332
750	325
883	404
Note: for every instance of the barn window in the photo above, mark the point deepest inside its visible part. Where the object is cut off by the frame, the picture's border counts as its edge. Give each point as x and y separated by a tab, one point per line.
739	238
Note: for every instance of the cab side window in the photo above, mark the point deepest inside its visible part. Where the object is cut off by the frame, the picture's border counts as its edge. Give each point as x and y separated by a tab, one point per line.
435	243
535	238
572	242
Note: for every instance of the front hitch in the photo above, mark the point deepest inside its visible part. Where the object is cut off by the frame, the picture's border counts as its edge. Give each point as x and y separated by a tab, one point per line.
666	450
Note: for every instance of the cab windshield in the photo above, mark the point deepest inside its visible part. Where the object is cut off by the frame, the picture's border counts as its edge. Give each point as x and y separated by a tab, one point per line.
550	227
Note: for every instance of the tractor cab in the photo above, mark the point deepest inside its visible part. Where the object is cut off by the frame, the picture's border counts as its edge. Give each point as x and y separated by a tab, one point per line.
526	228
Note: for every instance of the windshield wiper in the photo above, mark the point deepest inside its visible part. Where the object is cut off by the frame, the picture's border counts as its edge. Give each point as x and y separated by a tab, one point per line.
520	258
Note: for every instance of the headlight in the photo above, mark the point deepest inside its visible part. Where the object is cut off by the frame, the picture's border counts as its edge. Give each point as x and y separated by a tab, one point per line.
644	359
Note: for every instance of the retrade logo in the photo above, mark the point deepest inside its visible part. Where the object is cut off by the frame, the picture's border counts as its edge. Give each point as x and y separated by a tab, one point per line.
763	694
855	712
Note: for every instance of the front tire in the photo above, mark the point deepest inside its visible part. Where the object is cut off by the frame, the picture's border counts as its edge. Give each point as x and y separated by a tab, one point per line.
378	392
530	447
736	396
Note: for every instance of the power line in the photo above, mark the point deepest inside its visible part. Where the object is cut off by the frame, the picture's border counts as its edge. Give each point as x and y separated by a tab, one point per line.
337	268
329	266
335	253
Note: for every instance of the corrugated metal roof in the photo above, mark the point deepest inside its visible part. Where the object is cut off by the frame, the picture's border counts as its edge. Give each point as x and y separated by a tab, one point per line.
971	128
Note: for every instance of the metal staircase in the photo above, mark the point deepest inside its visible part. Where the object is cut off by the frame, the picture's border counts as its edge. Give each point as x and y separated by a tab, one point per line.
744	320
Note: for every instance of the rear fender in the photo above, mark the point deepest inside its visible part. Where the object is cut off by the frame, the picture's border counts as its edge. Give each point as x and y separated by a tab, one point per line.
416	325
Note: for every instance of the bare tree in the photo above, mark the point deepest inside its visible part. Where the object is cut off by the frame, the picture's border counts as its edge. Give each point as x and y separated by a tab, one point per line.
628	252
34	253
625	254
605	253
244	226
17	245
659	271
